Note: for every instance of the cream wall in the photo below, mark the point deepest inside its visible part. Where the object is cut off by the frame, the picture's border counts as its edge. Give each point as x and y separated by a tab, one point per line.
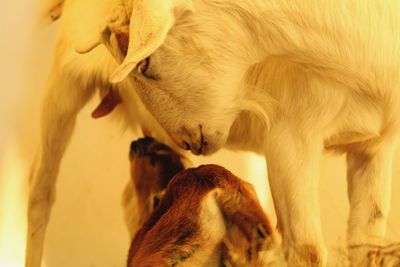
86	227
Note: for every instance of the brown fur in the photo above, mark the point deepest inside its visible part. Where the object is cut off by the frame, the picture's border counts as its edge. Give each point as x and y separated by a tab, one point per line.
173	233
152	166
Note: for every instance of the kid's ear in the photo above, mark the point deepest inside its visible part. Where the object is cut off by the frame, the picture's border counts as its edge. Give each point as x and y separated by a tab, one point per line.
241	207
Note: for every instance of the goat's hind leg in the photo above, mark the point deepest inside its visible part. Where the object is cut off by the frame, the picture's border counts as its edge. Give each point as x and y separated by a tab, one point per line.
60	107
369	183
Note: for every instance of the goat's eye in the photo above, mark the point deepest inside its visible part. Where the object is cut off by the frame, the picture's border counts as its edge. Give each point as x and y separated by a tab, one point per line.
147	70
143	66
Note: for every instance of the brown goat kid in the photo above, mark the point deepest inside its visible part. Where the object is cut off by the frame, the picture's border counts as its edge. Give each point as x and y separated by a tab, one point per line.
201	209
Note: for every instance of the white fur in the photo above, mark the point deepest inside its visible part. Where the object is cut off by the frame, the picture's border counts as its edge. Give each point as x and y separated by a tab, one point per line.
287	79
213	233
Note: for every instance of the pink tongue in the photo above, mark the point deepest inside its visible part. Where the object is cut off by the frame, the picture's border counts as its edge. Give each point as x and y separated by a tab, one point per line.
107	105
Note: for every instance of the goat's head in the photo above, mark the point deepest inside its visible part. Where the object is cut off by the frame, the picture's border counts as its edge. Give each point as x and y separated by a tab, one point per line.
153	165
187	67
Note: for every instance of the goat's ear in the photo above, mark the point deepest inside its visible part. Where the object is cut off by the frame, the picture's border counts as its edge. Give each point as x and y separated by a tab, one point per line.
241	207
150	23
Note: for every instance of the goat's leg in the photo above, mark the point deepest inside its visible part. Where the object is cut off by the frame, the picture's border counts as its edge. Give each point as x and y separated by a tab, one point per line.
369	183
293	171
61	105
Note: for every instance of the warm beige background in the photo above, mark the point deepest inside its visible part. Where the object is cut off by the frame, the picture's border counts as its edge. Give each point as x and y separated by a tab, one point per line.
86	228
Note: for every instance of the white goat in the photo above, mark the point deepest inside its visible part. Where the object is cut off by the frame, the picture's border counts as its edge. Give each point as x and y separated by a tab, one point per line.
286	79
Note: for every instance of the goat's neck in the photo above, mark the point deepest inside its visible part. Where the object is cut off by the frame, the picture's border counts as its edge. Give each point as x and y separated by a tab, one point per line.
316	38
262	29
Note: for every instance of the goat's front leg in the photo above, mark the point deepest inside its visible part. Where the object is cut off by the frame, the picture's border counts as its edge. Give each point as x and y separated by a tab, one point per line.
293	171
62	102
369	180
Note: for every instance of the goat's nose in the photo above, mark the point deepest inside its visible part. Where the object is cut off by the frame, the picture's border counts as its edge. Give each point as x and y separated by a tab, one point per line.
141	146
